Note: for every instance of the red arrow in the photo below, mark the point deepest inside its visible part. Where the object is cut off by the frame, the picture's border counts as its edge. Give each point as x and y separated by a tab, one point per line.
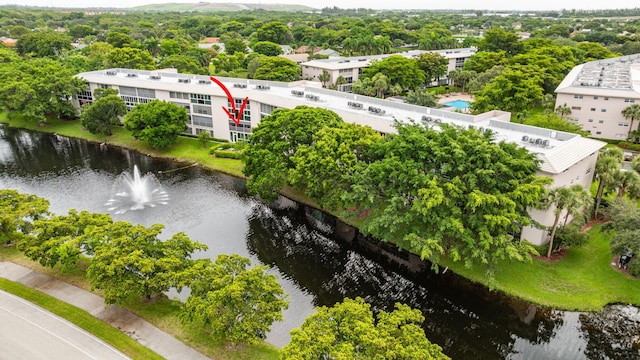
236	116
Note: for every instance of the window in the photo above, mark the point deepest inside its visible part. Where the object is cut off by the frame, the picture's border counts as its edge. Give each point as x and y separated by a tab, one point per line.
104	86
600	121
576	108
186	106
246	114
595	98
147	93
598	132
126	90
577	96
200	109
593	109
623	123
85	96
603	110
178	95
200	99
202	121
590	120
588	171
606	98
236	136
629	100
267	109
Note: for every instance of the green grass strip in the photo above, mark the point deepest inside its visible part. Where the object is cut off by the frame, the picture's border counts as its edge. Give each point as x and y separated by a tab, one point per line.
81	318
584	280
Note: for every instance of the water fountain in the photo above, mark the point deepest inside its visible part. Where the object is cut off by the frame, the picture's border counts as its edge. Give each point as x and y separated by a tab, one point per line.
133	191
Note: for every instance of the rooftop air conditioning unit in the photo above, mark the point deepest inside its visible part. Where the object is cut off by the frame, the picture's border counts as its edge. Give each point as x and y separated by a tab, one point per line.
154	77
204	81
525	138
184	81
132	75
111	72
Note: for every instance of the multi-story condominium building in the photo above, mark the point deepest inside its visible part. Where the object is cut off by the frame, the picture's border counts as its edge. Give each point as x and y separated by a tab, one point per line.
598	91
567	158
350	68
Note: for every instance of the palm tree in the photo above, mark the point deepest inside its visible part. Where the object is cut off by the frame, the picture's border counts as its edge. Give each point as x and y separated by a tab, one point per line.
578	202
381	84
558	198
563	110
631	112
627	182
608	163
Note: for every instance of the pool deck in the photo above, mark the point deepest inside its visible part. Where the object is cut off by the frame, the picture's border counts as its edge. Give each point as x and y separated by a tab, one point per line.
453	97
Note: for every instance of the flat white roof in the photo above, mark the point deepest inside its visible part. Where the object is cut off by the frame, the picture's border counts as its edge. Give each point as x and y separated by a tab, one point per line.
336	63
558	150
615	77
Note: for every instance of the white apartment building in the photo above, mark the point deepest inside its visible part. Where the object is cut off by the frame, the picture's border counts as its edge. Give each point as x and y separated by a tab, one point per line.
598	91
350	68
567	158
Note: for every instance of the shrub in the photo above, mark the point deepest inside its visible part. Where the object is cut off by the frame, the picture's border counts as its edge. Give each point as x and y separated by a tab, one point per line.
229	154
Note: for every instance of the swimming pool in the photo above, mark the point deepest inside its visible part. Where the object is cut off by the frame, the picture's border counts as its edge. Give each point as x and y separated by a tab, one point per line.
458	104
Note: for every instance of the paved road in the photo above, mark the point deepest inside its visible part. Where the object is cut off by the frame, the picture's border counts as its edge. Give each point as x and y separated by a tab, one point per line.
29	332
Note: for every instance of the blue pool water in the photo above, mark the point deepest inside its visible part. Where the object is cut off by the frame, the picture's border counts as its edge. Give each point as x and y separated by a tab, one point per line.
458	104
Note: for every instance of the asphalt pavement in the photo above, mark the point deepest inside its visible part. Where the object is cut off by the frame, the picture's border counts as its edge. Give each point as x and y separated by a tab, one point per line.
32	320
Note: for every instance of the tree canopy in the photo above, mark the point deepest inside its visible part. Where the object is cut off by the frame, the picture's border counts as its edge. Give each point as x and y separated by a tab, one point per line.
274	141
399	70
99	116
157	122
276	69
349	330
233	301
455	192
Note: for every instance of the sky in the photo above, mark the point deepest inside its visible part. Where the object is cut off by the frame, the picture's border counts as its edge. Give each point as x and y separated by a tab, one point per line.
371	4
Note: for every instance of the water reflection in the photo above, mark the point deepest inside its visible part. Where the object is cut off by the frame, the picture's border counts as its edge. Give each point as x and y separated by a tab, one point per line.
319	260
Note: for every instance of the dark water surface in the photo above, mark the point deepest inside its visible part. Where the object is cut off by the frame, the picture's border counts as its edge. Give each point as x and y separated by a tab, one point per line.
318	261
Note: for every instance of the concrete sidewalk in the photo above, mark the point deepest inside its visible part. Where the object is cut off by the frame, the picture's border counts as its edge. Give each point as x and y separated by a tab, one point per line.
137	328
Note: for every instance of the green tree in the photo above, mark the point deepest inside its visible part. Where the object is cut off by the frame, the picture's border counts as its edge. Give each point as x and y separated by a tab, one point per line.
157	122
433	65
38	88
421	97
233	301
120	40
267	48
399	70
65	239
555	122
133	261
277	69
563	110
80	31
609	161
129	58
631	112
497	39
275	32
203	138
99	116
17	213
348	330
563	199
276	138
183	64
43	44
453	191
324	78
480	81
323	169
515	90
235	45
625	223
485	60
627	183
461	77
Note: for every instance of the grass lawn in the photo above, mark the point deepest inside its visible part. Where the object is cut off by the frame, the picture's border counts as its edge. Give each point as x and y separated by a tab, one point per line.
584	280
83	319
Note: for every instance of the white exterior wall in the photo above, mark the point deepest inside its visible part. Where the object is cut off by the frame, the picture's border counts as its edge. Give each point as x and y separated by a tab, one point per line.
588	111
580	173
